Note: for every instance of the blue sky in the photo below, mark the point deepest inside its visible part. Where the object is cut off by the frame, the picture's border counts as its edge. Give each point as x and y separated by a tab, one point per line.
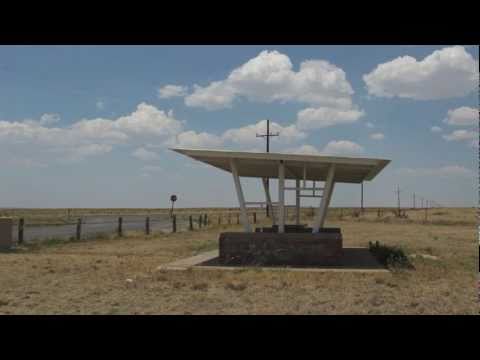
89	126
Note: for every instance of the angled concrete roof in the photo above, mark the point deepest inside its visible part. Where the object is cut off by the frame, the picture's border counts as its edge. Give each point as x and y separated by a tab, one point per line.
252	164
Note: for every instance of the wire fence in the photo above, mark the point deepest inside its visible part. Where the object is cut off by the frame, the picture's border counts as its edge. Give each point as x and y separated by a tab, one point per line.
95	226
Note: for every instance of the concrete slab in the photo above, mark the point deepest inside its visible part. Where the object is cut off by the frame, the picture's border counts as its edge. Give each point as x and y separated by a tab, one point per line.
355	259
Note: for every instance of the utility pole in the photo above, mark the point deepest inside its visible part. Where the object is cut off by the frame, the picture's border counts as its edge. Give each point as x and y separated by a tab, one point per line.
268	135
414	201
361	198
398	198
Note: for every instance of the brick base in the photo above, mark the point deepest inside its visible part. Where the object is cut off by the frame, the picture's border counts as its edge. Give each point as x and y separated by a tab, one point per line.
6	241
291	249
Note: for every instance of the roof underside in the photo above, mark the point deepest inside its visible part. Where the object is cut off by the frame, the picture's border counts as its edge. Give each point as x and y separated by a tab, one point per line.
260	165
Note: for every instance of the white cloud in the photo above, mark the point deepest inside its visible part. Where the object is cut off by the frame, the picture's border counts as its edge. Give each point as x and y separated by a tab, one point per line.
247	134
369	125
446	73
436	129
144	154
342	147
462	116
303	149
169	91
450	170
49	119
217	95
315	118
87	137
377	136
270	77
459	135
195	140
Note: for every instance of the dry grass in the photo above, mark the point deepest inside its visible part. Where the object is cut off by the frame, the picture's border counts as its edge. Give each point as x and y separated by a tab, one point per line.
117	276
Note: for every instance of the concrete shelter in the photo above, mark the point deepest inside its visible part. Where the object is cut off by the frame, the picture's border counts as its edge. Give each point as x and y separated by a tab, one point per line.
298	167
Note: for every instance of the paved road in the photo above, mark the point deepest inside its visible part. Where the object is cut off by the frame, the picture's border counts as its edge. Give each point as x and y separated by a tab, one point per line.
95	225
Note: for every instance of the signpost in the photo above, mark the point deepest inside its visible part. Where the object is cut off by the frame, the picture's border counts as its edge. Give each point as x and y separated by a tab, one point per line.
173	198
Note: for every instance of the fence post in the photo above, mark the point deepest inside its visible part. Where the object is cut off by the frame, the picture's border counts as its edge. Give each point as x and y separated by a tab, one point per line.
200	221
190	221
120	230
219	219
174	223
79	229
20	230
238	219
254	217
205	219
147	225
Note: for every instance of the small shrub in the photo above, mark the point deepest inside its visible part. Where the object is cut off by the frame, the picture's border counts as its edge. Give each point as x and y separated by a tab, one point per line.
390	256
237	286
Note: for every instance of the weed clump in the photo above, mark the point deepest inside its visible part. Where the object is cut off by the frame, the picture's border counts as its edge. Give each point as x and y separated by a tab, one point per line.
390	256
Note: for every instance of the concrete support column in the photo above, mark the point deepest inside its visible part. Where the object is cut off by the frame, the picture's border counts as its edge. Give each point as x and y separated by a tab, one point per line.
281	197
241	199
327	193
297	201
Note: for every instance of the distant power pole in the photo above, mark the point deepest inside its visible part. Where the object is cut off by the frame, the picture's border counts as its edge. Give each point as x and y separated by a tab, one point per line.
268	135
361	198
414	200
398	197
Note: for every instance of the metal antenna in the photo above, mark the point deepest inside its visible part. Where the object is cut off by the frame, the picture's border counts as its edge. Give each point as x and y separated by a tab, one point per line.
268	135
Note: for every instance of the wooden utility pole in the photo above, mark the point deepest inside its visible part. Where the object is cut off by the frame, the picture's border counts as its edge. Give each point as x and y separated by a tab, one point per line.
361	199
268	135
413	200
398	198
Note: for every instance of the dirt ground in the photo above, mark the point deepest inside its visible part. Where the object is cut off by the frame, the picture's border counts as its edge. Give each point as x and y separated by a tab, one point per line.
119	276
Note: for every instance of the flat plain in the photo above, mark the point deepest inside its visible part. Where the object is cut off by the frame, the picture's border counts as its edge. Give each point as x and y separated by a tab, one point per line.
112	275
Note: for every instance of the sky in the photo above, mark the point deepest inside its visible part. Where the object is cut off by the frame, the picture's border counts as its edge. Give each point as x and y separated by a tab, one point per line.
91	126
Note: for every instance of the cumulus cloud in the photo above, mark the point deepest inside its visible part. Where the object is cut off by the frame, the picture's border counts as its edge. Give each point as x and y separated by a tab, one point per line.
270	77
462	116
449	170
334	147
447	73
49	119
316	118
303	149
144	154
169	91
342	147
459	135
88	137
436	129
247	134
377	136
195	140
